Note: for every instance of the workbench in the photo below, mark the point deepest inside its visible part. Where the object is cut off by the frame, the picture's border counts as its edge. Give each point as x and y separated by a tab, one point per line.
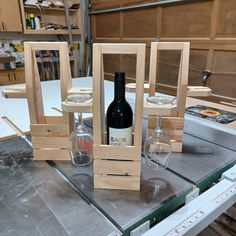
46	198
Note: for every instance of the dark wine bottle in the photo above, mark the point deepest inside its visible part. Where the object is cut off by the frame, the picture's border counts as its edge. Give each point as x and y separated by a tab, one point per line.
119	116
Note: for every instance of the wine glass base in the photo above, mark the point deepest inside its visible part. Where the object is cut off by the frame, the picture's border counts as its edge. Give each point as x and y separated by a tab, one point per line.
81	160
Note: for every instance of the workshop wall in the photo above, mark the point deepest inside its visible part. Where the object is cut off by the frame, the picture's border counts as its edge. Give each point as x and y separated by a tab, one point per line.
208	25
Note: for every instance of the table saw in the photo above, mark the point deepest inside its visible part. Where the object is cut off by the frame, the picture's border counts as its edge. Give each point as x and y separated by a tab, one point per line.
45	197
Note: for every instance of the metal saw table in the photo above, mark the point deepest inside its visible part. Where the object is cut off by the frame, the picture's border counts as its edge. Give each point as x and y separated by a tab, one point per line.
37	198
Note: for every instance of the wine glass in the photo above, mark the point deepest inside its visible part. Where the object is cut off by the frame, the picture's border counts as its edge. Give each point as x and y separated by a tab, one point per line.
157	147
81	141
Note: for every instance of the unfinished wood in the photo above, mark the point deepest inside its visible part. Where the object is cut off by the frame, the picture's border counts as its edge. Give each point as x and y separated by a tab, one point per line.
78	90
131	87
50	142
198	91
97	98
14	93
117	182
49	130
193	91
171	123
51	154
33	87
111	152
183	70
139	94
116	167
55	120
173	127
102	151
81	107
164	110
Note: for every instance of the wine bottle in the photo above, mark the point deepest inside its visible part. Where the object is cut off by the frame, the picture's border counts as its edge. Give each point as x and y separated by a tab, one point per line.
119	116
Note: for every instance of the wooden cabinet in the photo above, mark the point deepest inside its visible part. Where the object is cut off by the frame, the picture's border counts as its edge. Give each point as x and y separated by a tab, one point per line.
10	17
53	20
12	76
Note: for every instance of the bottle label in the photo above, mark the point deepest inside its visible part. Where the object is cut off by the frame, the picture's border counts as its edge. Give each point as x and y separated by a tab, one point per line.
120	137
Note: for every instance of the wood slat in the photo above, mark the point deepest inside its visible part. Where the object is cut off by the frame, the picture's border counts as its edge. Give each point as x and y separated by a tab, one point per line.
37	46
50	142
14	93
131	87
198	91
55	120
168	123
123	48
176	146
117	182
118	167
77	90
170	110
120	153
50	130
77	107
51	154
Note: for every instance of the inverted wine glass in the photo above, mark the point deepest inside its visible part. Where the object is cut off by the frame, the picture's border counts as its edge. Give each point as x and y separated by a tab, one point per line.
81	141
157	147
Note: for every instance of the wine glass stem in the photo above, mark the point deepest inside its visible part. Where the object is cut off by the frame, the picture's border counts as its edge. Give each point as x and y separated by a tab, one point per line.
159	121
80	119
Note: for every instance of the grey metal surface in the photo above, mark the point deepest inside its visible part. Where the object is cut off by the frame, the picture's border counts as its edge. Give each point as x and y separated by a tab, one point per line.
211	131
142	6
200	160
35	200
128	207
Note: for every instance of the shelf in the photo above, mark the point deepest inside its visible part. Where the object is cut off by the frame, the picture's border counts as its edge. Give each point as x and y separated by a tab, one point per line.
164	110
49	8
59	31
79	107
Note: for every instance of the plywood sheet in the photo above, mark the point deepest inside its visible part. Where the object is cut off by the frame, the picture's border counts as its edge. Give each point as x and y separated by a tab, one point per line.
222	84
226	22
108	26
224	61
140	23
185	25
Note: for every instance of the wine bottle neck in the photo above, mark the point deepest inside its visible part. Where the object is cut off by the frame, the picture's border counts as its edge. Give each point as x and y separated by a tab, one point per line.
119	89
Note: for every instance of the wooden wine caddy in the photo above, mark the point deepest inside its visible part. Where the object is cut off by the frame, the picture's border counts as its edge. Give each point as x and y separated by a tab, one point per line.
50	134
172	115
116	167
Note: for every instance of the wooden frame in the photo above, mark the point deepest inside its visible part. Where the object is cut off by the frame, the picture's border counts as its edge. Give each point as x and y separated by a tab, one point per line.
50	135
116	167
173	122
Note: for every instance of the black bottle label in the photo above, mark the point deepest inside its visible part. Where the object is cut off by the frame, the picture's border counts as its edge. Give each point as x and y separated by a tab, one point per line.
120	137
